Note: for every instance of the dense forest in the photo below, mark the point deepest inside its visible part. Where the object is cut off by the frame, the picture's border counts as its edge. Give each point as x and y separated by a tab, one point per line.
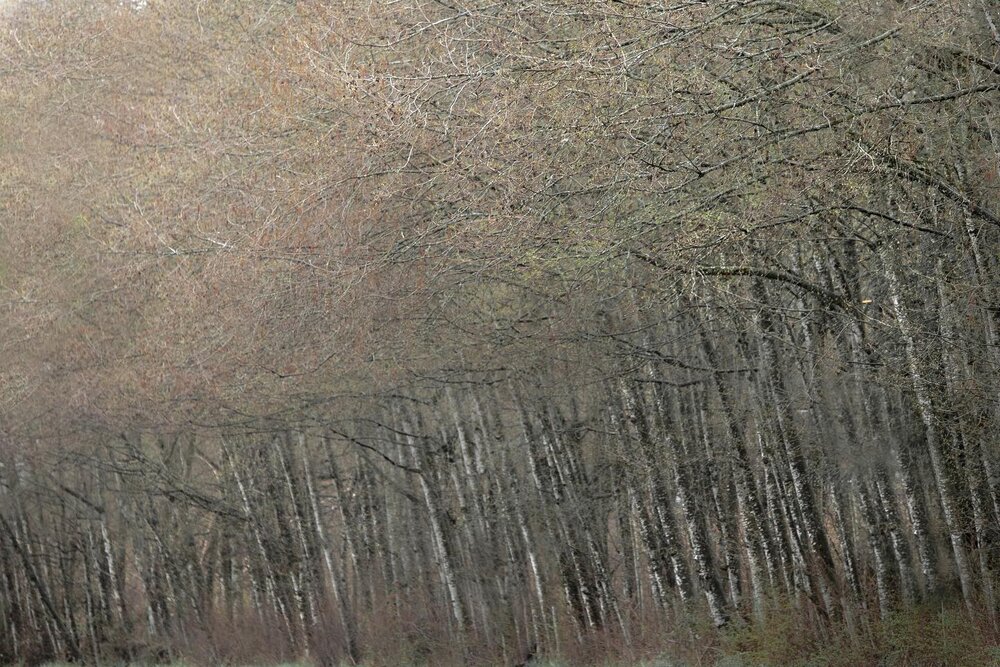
465	332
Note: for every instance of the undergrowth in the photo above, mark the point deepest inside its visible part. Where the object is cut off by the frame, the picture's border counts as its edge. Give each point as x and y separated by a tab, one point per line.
939	634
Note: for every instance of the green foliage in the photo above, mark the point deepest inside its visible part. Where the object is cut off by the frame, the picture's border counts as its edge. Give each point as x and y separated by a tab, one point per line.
936	635
924	636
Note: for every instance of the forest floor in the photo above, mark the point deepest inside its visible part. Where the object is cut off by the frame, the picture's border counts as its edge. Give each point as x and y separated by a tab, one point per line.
939	634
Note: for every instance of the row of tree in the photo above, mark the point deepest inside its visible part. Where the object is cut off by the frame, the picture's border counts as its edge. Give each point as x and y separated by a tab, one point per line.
471	331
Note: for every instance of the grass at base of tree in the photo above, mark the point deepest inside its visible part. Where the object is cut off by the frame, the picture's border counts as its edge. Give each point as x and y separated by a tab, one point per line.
171	664
940	633
934	634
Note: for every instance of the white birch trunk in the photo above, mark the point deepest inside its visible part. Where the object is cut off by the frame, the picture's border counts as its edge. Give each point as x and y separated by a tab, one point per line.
926	410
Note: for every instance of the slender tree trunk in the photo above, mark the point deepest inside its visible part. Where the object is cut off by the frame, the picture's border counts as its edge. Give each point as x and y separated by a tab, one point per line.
42	590
758	551
927	416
